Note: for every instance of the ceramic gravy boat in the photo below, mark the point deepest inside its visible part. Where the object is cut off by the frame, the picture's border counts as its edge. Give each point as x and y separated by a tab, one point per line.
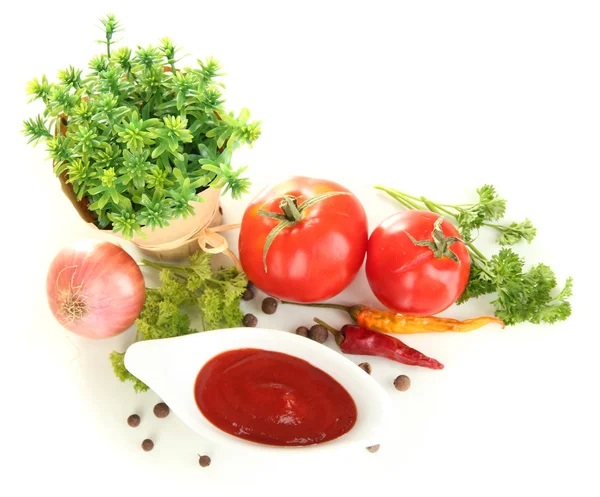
170	367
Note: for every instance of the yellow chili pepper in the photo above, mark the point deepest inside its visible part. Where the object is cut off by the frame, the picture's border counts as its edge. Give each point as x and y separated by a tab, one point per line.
392	322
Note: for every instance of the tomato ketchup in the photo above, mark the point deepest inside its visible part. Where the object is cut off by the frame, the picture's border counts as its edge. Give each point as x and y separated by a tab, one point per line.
273	398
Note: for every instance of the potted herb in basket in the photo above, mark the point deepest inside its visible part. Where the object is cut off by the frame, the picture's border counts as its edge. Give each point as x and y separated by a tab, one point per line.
142	146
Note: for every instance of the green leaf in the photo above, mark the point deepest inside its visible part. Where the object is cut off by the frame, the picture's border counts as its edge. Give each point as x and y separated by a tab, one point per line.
244	116
222	138
214	132
36	129
211	168
510	235
117	360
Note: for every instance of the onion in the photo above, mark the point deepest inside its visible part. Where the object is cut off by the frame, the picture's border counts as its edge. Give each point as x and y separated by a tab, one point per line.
95	289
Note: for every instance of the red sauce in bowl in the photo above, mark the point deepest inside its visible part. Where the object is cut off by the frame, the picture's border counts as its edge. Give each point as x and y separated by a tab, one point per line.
273	398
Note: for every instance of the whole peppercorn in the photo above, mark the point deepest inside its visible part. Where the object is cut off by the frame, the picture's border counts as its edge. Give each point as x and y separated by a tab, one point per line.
147	445
318	333
248	294
302	331
161	410
203	461
366	367
402	383
250	321
133	420
373	448
269	305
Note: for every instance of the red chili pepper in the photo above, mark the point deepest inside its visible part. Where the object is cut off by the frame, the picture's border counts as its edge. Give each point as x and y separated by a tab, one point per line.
354	339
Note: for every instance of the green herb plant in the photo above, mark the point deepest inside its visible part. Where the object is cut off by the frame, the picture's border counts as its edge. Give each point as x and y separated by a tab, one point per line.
520	294
215	295
143	136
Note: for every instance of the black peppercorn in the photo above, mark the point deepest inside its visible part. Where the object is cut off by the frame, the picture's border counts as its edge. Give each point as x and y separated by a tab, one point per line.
269	305
402	383
204	461
302	331
248	294
318	333
133	420
250	320
147	445
161	410
366	367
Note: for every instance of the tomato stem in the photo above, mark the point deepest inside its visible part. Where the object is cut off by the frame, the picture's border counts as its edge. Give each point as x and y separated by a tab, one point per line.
292	214
289	206
440	246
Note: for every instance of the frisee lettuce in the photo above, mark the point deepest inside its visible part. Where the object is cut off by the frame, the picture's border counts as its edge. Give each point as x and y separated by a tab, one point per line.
215	294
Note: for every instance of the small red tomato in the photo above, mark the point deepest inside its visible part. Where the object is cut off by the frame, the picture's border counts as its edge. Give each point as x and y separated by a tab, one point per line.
416	263
320	247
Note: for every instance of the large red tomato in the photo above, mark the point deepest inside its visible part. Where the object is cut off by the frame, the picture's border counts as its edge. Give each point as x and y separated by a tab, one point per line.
311	259
423	275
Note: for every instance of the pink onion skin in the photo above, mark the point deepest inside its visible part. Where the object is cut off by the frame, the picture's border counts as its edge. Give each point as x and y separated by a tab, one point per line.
102	282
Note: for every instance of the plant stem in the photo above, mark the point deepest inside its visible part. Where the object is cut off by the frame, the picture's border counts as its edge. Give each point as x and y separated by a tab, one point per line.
108	38
446	211
395	194
410	202
402	201
339	338
289	206
158	265
497	227
476	252
431	206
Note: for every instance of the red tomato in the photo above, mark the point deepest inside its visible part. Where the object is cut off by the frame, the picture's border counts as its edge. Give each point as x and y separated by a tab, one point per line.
316	258
408	278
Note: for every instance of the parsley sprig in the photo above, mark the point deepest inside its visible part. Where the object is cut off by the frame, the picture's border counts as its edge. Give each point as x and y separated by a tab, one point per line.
521	294
215	294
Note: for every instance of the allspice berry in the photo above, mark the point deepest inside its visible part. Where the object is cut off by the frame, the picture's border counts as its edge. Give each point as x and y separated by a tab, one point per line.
373	448
318	333
248	294
161	410
302	331
269	305
147	445
133	420
402	383
366	367
204	461
250	321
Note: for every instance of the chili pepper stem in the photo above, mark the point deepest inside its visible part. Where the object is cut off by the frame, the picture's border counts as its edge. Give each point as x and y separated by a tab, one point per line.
353	310
339	336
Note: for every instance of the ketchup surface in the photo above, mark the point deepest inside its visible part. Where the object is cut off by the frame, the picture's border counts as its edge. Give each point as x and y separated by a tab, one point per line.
273	398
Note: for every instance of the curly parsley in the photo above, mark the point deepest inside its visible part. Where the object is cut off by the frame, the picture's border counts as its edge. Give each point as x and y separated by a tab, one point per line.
521	294
216	295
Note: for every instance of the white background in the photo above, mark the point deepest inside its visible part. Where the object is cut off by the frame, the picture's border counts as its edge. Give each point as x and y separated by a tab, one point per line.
434	98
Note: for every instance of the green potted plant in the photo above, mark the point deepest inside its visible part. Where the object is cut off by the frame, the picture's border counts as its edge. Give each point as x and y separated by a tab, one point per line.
141	146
